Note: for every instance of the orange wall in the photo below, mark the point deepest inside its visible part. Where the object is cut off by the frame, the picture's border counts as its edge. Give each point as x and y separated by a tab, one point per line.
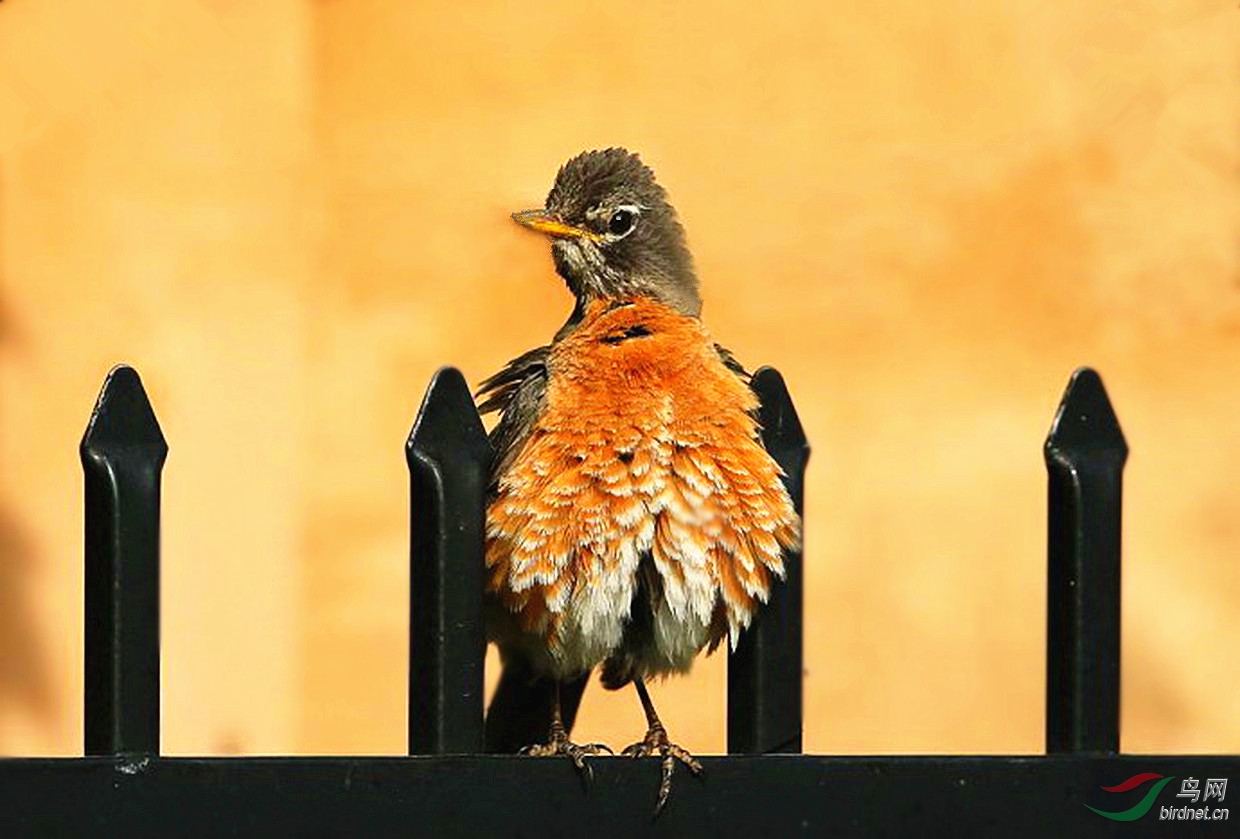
288	214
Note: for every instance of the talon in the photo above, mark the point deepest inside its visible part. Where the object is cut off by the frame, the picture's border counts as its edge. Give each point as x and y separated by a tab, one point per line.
639	749
665	783
579	760
558	744
656	742
684	757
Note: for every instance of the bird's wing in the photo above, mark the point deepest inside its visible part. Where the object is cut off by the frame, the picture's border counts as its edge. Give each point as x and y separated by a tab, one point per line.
496	393
730	362
516	391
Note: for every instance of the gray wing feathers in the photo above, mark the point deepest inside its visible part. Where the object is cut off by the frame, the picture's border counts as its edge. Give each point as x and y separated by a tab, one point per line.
516	391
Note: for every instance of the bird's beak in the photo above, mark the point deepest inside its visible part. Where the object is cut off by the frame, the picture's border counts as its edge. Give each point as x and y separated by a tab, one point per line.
541	221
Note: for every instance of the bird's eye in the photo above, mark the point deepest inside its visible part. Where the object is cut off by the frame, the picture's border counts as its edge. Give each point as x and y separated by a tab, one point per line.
621	222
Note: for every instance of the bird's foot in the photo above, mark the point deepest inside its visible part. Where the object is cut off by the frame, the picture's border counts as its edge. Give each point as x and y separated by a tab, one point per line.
559	744
657	742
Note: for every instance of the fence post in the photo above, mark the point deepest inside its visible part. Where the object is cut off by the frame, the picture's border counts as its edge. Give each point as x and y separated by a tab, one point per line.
765	670
1085	453
122	453
448	457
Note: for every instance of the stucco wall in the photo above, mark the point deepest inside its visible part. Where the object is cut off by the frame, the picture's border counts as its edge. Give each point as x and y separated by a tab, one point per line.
288	214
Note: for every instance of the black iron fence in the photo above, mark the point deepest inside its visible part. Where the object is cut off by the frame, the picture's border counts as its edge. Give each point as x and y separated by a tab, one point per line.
448	787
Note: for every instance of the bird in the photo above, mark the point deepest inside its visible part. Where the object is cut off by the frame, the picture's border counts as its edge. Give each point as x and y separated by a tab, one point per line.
633	517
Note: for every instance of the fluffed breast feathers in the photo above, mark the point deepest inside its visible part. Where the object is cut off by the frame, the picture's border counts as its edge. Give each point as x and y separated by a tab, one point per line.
647	444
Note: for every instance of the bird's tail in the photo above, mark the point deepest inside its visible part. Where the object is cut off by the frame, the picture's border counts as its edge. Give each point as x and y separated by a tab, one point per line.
520	711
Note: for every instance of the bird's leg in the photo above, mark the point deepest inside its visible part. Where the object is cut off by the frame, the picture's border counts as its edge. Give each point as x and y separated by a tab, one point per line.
559	744
656	741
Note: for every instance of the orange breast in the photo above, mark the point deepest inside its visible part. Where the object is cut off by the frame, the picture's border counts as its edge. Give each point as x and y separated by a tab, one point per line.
646	446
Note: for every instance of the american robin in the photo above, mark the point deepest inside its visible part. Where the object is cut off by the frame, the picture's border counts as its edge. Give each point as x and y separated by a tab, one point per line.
633	518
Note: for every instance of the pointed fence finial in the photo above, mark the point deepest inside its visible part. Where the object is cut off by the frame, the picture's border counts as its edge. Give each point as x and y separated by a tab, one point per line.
765	669
123	452
1085	454
449	457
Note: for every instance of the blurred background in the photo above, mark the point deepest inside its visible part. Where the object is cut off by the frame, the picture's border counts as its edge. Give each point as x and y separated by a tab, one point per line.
288	214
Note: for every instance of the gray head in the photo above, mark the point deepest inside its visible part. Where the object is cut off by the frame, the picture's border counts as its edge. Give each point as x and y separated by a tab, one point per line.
614	234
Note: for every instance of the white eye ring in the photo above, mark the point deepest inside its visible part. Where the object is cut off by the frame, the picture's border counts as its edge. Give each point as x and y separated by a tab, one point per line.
623	221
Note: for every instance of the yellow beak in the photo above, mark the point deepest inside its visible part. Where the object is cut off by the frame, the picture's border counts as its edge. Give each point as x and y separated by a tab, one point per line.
542	222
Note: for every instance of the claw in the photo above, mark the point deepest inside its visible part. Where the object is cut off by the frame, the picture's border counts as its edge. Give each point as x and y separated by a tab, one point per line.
657	742
559	744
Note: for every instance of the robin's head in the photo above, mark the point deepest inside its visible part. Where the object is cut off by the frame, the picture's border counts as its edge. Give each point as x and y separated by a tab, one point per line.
614	234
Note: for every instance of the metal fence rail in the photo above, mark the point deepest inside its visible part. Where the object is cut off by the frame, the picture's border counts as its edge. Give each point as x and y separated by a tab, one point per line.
447	787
